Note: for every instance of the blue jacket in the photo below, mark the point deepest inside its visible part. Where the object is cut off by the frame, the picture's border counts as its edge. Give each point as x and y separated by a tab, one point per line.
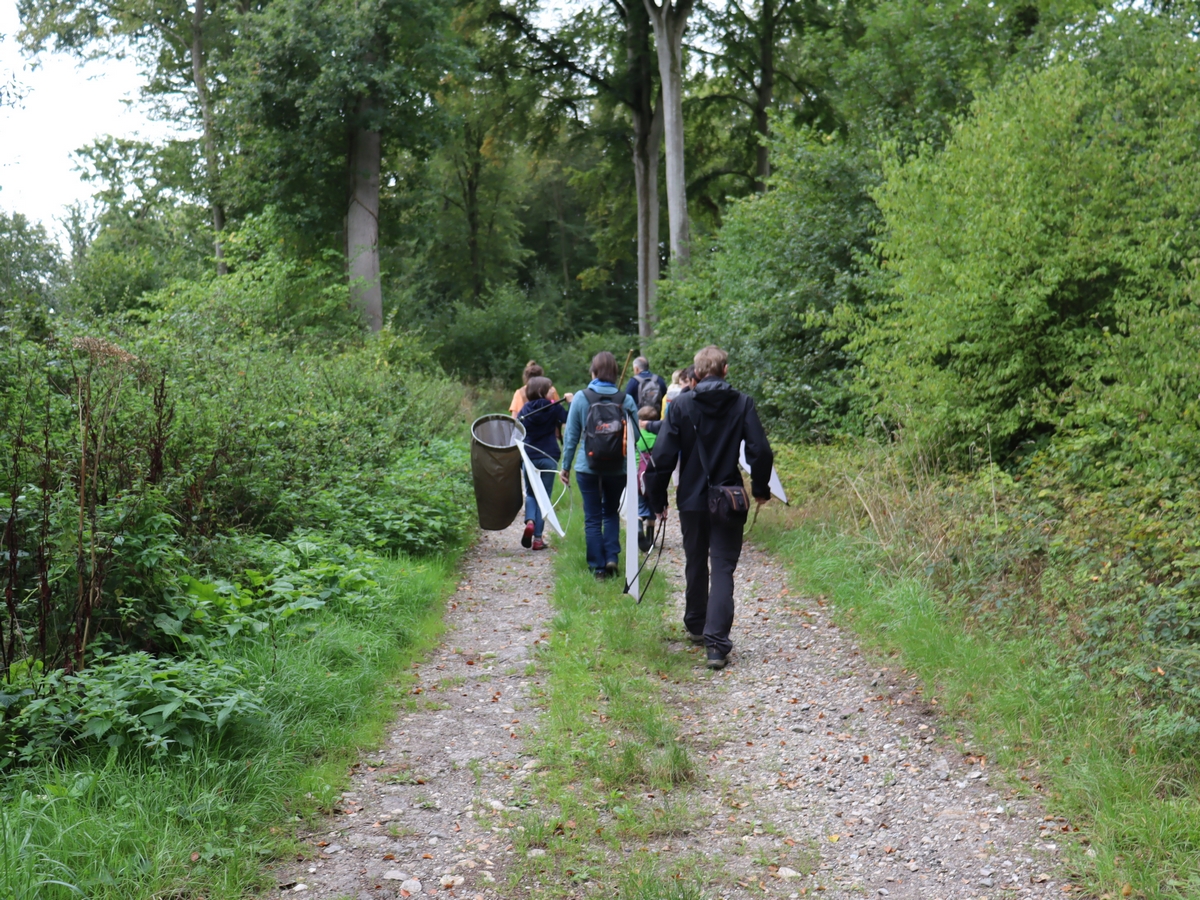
573	455
541	420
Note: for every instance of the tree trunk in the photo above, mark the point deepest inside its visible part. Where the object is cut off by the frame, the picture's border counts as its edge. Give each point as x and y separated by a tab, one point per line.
764	95
473	173
562	237
647	139
362	218
646	108
669	23
209	137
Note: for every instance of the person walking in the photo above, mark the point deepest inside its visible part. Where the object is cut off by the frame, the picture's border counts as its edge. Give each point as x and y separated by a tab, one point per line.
601	475
703	431
519	398
542	420
646	388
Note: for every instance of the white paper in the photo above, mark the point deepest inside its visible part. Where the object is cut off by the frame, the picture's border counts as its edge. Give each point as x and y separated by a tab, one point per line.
631	513
776	484
539	492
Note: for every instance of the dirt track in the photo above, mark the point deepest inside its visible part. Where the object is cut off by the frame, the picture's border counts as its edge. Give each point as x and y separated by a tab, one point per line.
821	770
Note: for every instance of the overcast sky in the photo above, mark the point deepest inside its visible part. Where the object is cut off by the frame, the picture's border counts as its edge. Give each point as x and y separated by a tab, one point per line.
65	107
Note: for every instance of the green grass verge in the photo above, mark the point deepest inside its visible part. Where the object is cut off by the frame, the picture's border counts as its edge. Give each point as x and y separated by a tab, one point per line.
1138	809
615	772
202	824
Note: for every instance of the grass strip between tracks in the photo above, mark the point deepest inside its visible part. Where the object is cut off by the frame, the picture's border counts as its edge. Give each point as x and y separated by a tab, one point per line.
615	772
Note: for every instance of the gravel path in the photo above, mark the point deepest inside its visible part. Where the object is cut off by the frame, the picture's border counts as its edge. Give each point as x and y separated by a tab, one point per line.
817	759
821	771
414	819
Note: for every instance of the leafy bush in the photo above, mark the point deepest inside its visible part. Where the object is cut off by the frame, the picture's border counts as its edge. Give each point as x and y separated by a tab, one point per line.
784	263
1035	257
152	703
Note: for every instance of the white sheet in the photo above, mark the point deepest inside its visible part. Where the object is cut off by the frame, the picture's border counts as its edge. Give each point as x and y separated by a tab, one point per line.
630	510
776	484
539	492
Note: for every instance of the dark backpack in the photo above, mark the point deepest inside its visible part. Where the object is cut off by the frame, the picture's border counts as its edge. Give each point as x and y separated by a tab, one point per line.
604	431
649	392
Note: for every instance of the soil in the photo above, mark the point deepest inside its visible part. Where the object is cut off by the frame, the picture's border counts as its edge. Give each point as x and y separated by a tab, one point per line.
821	769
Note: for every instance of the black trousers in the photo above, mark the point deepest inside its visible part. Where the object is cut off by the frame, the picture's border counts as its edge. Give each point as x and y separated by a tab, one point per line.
710	596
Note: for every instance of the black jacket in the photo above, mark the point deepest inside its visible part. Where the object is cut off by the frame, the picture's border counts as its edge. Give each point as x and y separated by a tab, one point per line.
715	407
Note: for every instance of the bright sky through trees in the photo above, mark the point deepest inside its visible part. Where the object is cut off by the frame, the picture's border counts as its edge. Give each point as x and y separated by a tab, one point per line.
64	107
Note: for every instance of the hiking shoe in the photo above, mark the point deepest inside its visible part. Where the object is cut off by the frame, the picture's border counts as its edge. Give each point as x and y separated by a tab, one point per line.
539	544
610	568
527	535
716	659
645	538
695	638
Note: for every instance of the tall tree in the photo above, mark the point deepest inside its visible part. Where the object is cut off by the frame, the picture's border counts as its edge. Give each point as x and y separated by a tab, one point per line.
669	21
324	90
605	55
177	42
757	52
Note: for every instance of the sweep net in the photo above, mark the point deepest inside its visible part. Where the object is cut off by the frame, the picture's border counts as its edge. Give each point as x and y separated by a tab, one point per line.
496	470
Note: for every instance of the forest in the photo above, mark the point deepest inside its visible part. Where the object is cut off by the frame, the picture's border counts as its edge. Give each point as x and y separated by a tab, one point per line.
953	250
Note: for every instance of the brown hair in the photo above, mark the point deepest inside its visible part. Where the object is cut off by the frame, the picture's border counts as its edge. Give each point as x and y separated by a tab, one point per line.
532	370
648	414
712	360
538	387
688	374
604	366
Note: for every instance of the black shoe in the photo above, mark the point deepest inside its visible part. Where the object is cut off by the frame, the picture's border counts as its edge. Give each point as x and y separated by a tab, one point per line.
716	659
694	638
645	538
610	568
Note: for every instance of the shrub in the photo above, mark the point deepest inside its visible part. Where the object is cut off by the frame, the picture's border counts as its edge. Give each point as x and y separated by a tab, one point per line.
1034	256
784	263
151	703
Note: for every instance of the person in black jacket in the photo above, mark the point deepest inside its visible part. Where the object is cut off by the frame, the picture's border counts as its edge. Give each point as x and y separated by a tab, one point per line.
720	418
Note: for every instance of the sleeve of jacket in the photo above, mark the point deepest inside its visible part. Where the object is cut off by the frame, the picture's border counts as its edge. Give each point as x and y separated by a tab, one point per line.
573	431
664	457
759	455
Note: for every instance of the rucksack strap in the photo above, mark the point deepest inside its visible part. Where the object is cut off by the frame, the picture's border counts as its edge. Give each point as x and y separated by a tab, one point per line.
596	397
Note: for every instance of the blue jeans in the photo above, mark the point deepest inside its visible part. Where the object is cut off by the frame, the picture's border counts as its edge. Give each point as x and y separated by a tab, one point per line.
533	512
601	517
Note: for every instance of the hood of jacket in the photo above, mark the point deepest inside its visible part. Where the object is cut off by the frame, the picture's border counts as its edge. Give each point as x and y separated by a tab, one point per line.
714	396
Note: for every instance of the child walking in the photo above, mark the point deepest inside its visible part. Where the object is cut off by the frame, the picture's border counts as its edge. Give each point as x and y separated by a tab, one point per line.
542	420
648	425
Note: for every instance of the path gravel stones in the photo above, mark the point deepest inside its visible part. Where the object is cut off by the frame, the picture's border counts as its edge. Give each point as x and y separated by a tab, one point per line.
814	758
820	771
416	819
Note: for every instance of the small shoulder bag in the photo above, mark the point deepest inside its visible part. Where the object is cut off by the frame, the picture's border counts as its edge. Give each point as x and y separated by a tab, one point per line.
727	503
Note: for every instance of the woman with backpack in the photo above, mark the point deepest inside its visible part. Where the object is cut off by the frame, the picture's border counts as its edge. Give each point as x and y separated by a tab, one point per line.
594	445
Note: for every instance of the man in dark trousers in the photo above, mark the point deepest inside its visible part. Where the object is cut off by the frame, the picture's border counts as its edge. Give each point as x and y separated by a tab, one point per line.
719	418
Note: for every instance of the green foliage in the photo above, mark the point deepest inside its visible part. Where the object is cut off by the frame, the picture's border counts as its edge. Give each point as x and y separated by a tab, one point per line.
1034	257
31	265
784	263
150	703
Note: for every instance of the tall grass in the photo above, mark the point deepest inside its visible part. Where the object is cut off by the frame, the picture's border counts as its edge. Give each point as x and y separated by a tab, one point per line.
124	827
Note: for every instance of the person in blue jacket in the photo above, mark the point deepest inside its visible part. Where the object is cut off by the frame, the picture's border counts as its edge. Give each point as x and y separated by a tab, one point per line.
601	492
